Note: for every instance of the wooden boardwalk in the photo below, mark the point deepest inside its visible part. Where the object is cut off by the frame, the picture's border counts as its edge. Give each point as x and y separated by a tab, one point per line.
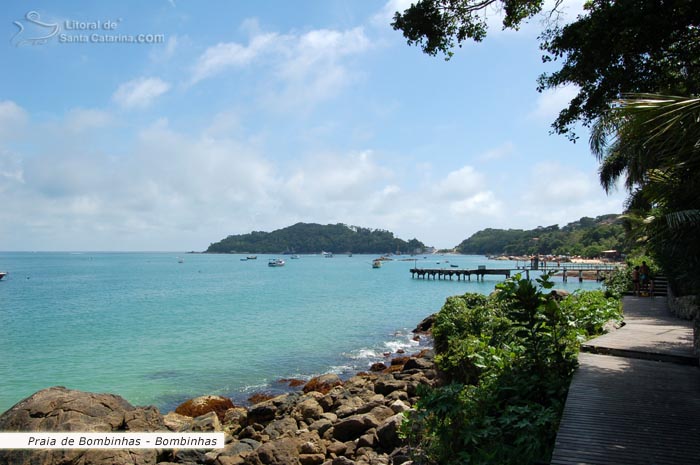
650	332
629	408
448	273
567	270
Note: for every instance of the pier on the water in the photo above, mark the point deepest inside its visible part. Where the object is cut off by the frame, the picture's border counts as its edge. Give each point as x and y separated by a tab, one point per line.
446	273
567	269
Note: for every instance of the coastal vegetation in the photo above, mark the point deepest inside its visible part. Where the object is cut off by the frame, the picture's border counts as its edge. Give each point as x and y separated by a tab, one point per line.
635	66
315	238
652	142
587	237
507	360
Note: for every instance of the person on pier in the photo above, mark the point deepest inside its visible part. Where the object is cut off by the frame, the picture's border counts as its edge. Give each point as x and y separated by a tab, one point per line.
635	280
644	276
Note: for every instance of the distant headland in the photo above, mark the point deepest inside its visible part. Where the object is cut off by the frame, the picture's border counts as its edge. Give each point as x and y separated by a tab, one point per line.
306	238
586	237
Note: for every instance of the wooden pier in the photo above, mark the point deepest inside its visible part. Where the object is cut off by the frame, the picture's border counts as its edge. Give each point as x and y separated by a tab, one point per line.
635	398
575	269
567	269
446	273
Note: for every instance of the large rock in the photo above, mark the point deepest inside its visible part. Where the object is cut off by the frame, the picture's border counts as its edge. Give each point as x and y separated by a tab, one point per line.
205	404
388	432
235	420
426	325
262	413
387	384
323	383
283	426
418	364
60	409
353	427
309	409
177	423
280	452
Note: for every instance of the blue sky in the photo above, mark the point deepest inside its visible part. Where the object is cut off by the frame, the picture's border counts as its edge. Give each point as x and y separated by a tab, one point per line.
227	117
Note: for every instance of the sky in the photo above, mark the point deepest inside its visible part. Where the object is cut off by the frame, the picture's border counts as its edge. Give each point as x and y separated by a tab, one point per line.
170	124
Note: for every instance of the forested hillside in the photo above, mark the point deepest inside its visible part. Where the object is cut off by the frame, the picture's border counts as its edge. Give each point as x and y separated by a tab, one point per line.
314	238
587	237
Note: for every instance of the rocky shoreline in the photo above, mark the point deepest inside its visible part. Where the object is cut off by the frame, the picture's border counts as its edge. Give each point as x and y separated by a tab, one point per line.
326	422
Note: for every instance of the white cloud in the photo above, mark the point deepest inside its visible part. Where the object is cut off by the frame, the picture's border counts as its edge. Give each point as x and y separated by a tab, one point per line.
338	179
297	69
140	92
221	56
466	195
551	101
171	189
13	118
482	203
10	170
562	184
498	153
563	191
171	46
385	15
460	184
82	119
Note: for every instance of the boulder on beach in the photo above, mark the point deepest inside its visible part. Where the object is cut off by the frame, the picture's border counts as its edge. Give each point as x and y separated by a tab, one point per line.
205	404
323	383
60	409
426	325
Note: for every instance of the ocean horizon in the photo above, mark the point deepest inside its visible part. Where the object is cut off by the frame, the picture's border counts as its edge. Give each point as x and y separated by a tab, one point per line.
158	328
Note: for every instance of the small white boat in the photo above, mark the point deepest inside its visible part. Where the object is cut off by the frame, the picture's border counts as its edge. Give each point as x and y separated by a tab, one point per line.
294	257
327	254
377	264
3	274
252	257
275	262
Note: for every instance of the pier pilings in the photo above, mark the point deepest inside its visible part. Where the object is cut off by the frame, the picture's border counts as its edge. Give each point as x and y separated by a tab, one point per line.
466	275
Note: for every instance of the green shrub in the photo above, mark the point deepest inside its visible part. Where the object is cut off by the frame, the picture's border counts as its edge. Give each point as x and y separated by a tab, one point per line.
618	282
590	311
507	360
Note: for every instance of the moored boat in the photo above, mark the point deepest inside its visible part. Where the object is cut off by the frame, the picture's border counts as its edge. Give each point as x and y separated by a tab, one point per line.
3	274
275	262
377	264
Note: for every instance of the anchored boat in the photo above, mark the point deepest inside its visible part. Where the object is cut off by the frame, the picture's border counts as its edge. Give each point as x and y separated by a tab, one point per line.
275	262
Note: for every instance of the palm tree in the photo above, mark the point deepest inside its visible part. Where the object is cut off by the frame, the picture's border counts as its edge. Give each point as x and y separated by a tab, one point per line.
654	142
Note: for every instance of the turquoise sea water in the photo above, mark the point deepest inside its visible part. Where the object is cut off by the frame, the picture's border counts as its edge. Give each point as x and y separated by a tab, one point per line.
157	331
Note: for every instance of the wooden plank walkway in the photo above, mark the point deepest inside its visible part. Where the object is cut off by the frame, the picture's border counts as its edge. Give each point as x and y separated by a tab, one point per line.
651	332
627	408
